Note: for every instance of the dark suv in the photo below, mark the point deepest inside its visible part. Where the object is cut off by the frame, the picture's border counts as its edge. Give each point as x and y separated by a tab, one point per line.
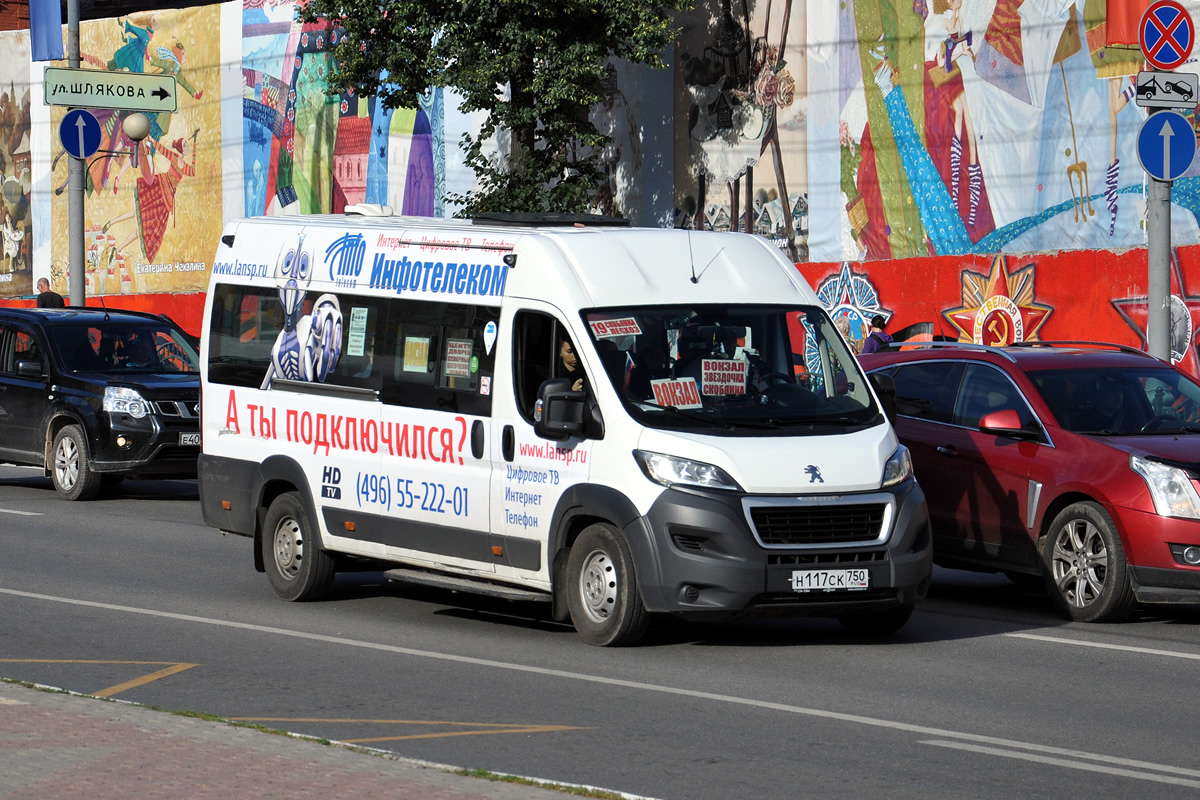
1077	462
96	396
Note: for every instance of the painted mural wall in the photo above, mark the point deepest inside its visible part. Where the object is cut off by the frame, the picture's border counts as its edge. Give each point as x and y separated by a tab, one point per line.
988	186
254	133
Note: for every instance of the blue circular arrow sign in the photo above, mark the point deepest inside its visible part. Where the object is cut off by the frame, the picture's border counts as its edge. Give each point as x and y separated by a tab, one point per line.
1166	145
1166	34
79	133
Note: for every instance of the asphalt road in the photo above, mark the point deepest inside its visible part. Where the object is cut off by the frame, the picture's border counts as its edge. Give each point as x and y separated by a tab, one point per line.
985	693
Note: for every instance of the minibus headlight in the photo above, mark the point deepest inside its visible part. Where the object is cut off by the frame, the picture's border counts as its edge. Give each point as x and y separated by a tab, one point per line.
898	468
672	471
1172	489
123	400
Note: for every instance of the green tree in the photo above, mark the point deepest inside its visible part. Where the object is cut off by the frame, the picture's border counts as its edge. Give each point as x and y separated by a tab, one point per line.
536	67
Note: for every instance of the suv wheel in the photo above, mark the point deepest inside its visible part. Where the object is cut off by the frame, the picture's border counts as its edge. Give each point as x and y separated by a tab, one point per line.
1085	565
72	471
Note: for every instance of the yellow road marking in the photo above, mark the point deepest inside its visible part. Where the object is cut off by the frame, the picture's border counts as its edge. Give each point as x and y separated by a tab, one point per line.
496	727
173	668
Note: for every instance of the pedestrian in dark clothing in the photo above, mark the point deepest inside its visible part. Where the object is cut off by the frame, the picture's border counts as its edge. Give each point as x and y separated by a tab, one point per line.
877	339
47	298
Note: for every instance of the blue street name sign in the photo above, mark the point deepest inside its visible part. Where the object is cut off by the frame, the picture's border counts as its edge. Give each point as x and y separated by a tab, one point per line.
79	133
1166	145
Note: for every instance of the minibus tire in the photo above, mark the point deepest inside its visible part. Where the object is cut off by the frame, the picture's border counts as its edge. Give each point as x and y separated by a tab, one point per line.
297	568
602	593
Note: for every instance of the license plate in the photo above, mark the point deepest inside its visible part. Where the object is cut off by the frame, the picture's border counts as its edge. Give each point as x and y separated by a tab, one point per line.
189	438
830	580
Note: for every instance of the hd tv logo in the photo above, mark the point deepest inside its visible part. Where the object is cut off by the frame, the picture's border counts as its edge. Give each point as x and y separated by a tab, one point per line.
331	477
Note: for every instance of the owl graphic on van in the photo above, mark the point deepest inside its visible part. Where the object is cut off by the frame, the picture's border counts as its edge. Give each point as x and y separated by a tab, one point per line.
309	345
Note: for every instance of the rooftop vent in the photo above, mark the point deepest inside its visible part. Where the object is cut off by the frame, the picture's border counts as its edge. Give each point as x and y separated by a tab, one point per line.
556	220
368	210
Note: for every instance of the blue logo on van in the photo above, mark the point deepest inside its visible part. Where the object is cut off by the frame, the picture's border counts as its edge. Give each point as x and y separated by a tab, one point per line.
814	473
345	258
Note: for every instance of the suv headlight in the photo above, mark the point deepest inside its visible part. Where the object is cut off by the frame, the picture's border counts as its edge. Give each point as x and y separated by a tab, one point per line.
672	471
898	468
123	400
1171	488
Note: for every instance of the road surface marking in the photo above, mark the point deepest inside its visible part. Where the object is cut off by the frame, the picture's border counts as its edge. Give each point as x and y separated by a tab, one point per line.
497	727
839	716
20	513
1059	762
173	669
1126	648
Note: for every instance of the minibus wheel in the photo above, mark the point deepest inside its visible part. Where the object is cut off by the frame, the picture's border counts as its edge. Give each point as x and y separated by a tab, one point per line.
602	589
297	567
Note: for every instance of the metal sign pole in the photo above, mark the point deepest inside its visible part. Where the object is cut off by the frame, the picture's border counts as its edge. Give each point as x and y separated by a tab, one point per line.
75	178
1158	236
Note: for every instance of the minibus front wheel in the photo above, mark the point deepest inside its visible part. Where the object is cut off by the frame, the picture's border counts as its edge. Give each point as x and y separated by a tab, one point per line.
602	589
296	566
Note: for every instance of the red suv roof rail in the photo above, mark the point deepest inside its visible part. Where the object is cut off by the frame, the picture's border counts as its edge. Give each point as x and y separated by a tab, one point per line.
908	345
1124	348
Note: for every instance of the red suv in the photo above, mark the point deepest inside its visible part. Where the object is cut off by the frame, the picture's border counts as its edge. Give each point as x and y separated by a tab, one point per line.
1078	462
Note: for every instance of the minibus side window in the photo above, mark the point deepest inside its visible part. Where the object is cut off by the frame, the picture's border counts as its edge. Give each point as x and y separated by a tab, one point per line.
536	340
244	325
434	357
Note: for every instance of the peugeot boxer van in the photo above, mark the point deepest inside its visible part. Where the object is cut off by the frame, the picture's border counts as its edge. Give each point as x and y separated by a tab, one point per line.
617	422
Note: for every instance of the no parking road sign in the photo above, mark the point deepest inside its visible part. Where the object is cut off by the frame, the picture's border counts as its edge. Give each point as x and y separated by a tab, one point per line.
79	133
1166	145
1166	34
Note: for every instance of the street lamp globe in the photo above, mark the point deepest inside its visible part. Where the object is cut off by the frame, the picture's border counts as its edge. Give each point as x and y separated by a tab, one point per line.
136	126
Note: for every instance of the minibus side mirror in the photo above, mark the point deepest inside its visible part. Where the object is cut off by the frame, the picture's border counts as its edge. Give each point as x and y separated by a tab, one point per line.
559	413
885	388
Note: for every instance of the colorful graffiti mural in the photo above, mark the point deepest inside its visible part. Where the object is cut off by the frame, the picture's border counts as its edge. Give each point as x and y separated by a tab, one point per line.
985	126
1002	299
149	210
16	266
307	152
740	105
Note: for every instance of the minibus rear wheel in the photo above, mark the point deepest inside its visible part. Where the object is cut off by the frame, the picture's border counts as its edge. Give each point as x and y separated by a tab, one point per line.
602	589
297	567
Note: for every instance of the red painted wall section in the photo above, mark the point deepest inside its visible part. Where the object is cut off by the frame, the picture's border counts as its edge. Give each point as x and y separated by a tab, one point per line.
1097	296
186	309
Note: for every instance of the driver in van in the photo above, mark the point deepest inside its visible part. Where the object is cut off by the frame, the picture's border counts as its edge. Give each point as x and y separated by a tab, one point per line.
570	366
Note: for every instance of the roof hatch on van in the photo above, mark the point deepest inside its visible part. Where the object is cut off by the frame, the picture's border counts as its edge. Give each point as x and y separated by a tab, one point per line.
368	210
548	219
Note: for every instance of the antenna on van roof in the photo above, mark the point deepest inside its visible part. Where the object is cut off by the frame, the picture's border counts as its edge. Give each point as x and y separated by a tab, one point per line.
692	258
101	299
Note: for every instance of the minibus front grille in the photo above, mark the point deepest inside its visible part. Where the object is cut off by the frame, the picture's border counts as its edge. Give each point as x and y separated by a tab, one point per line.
809	559
825	524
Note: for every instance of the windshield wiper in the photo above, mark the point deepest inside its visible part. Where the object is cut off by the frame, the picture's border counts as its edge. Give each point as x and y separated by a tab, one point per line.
680	413
837	422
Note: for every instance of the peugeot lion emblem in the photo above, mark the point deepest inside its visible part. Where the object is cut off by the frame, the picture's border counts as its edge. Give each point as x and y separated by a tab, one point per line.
814	474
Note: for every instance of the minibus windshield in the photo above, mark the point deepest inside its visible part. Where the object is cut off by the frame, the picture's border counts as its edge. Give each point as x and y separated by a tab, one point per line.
731	369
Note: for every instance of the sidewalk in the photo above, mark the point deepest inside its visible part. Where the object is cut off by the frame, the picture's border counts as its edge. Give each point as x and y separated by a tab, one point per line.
56	745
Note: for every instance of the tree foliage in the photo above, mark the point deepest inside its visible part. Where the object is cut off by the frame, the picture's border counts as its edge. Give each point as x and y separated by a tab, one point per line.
537	67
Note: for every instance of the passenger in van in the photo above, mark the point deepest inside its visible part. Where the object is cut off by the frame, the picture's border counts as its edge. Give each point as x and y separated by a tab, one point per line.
571	368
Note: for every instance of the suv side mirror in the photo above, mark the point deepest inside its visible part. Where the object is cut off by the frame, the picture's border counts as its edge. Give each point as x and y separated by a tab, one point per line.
30	369
1005	423
885	387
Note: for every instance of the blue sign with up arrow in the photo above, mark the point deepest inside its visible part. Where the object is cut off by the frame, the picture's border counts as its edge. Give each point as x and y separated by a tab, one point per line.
1166	145
79	133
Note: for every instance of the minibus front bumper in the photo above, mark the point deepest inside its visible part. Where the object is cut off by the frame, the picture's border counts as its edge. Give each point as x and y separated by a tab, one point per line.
709	555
